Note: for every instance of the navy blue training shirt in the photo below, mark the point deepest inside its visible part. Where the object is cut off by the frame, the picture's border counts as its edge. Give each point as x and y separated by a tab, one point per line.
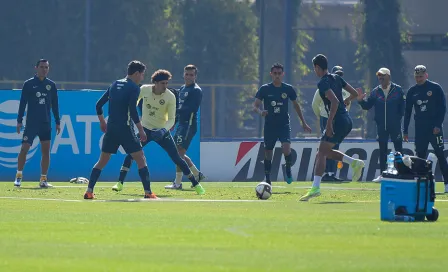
122	96
275	101
429	103
40	96
190	98
336	84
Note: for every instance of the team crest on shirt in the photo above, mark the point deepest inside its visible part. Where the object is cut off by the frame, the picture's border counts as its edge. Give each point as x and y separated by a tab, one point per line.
162	102
48	87
273	103
38	94
284	95
429	93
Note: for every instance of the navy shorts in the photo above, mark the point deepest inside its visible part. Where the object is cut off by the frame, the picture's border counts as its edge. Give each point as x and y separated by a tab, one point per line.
120	136
272	134
342	125
43	131
185	133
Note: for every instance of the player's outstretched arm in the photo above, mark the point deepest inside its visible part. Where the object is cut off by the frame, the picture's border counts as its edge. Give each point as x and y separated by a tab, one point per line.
257	108
367	104
298	110
329	94
22	106
134	114
55	108
440	108
99	110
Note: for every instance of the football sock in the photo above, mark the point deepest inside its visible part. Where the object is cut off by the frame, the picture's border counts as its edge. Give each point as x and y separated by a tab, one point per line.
144	177
316	181
267	170
94	175
288	165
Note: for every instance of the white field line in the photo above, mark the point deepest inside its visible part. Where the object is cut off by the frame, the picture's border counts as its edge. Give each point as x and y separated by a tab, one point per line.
170	200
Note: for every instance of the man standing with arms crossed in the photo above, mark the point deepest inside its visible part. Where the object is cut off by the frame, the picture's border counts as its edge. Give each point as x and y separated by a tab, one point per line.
41	95
428	100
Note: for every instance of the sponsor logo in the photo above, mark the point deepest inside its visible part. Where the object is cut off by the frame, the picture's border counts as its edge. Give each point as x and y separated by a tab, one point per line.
38	94
11	142
273	103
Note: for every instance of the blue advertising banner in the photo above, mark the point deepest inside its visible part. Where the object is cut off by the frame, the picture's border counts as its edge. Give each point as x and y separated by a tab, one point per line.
77	148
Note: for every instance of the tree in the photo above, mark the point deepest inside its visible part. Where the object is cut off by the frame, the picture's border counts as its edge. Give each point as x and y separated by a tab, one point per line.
219	36
380	45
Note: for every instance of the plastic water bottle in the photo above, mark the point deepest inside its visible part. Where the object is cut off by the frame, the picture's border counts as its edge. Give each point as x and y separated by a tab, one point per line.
391	210
431	157
404	218
390	163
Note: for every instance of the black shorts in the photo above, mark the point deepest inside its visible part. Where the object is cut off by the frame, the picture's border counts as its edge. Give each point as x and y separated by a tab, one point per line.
274	133
425	136
185	133
120	136
342	125
43	131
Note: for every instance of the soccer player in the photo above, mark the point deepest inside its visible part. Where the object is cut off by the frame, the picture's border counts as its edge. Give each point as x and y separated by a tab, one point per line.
41	95
319	110
119	131
389	101
338	126
190	97
158	116
428	100
277	125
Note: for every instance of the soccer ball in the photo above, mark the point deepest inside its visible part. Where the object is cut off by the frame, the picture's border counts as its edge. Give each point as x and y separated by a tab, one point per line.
263	190
79	180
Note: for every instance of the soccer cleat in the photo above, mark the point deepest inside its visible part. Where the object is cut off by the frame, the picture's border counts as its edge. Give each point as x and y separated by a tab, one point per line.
357	166
174	186
446	188
89	195
151	196
44	183
18	181
289	180
117	187
201	177
313	192
378	179
199	189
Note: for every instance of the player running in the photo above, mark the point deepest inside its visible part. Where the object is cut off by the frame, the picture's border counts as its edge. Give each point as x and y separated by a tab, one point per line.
158	116
190	97
275	97
338	126
41	95
119	131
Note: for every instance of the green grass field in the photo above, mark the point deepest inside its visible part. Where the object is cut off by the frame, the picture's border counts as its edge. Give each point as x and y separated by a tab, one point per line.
225	230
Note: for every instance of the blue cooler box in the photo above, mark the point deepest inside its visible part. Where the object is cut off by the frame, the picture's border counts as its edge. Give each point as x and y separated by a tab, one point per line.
413	196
